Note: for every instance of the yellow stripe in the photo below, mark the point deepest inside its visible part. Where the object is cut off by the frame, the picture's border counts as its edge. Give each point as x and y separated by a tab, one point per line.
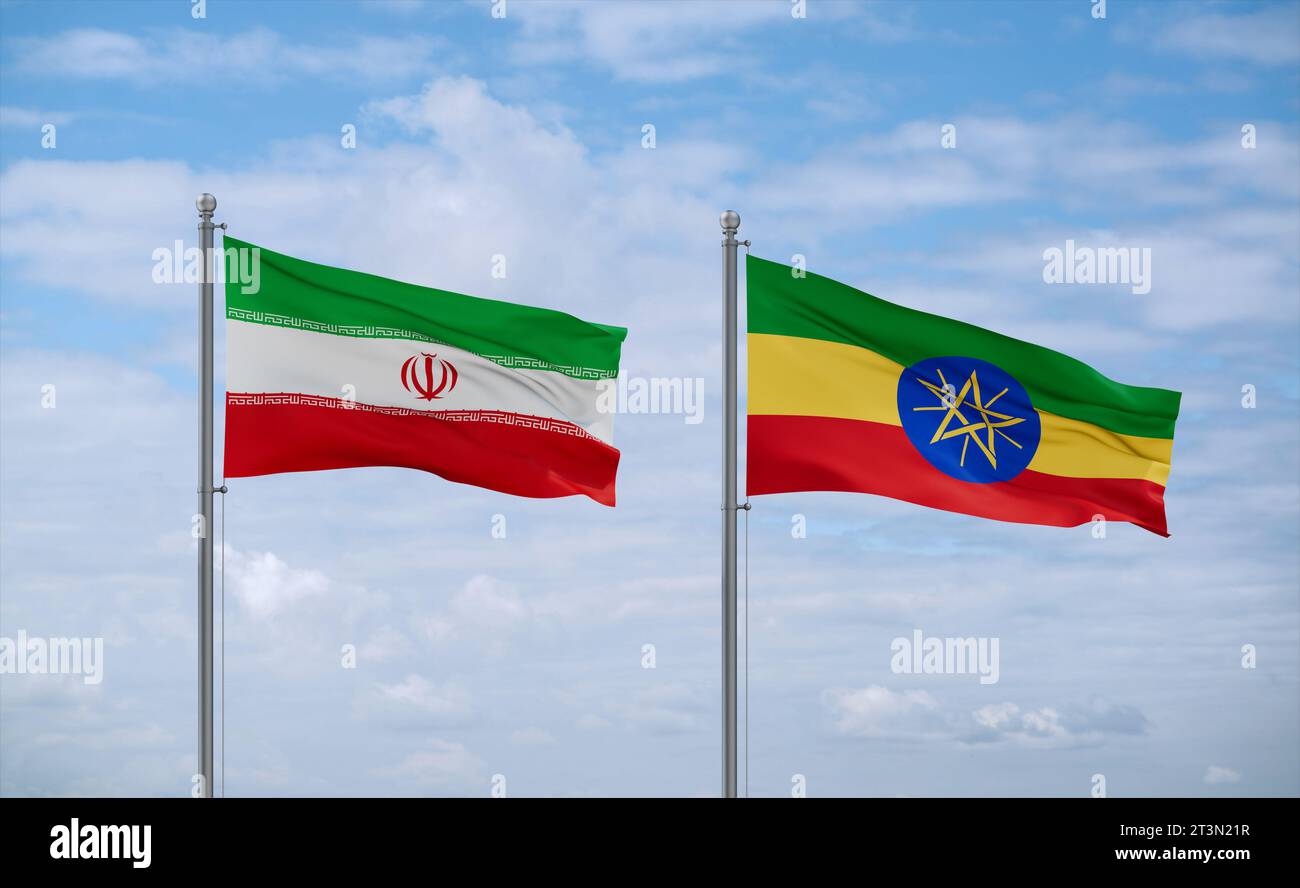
811	377
792	376
1083	450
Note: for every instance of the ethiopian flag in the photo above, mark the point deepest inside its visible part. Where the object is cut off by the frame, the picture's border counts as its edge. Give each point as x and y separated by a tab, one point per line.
331	369
849	392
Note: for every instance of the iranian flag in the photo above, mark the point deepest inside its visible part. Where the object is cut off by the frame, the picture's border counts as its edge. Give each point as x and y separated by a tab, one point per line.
330	369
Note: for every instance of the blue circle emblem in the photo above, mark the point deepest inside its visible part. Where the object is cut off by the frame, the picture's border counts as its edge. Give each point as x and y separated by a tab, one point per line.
970	419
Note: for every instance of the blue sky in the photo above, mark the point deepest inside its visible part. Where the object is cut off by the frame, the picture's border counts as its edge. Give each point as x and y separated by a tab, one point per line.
522	136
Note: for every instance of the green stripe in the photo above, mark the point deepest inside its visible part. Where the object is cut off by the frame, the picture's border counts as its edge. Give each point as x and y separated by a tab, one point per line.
815	307
304	295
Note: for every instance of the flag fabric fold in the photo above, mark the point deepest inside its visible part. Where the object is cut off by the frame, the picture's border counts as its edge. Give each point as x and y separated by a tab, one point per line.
848	392
329	368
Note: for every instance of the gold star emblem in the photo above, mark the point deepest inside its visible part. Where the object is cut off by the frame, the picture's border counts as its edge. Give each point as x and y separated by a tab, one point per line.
989	425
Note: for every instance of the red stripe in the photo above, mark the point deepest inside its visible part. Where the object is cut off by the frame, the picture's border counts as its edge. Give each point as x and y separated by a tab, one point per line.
787	454
266	438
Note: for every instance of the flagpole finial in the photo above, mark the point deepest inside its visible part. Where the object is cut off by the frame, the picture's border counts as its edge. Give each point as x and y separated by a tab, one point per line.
729	220
206	203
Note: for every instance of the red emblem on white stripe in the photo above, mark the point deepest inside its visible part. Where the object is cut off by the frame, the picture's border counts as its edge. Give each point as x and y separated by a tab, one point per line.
420	371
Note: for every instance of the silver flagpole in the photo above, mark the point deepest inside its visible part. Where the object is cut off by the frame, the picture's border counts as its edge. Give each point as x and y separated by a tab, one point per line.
730	221
206	204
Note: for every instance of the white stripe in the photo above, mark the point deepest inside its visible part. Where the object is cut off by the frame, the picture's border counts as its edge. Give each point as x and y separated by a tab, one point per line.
262	358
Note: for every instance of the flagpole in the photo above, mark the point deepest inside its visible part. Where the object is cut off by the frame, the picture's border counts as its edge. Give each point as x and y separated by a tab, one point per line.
207	204
730	221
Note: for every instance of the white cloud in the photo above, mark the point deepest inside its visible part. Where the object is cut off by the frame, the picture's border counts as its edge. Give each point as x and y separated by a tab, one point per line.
661	42
484	610
261	55
12	117
1265	37
532	736
1216	775
1208	269
661	708
415	701
265	585
1052	727
135	737
440	764
1069	162
399	7
384	644
878	713
489	603
673	41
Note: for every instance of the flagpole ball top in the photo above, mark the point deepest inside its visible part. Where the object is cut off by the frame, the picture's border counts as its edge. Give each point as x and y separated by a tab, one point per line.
205	202
729	220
